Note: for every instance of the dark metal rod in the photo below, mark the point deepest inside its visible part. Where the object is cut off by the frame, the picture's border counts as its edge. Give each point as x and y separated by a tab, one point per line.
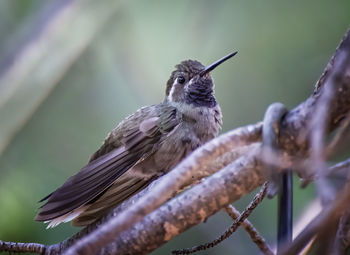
285	210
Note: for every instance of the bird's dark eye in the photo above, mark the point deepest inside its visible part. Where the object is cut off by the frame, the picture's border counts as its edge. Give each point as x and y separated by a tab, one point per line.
181	79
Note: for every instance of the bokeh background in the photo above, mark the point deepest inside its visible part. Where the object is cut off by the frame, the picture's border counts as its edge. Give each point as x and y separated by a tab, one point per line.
71	70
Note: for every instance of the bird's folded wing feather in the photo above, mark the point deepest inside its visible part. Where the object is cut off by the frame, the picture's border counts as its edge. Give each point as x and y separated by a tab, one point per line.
115	157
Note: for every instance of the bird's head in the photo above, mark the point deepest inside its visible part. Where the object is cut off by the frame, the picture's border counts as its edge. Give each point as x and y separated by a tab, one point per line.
191	83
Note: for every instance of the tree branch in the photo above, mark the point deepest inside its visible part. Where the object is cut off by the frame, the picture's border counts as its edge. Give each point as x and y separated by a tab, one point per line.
251	230
22	247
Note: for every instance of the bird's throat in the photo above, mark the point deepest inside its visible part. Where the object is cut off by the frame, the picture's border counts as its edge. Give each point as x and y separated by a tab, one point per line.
201	97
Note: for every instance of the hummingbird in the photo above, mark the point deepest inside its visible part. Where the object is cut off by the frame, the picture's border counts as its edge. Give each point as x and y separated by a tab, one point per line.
142	147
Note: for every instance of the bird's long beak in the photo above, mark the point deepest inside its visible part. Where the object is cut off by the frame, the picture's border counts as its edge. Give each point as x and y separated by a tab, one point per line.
216	63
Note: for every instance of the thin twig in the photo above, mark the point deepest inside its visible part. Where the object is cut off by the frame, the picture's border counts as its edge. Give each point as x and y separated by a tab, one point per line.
257	199
256	237
343	166
22	247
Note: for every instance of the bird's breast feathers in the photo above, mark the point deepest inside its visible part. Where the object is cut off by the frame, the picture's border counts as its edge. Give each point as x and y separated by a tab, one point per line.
205	122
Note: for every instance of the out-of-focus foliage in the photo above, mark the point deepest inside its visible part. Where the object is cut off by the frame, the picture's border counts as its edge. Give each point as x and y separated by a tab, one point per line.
283	48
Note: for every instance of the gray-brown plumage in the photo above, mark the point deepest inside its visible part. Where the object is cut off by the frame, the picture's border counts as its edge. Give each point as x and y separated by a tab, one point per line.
144	146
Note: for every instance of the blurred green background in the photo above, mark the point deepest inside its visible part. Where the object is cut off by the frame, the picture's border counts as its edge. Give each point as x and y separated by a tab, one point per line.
71	70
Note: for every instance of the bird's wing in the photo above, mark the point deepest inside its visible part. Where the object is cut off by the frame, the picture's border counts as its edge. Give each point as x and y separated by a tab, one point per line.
135	144
123	188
